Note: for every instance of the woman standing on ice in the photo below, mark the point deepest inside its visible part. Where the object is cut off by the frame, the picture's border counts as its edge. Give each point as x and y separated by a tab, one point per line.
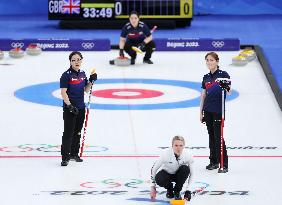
73	84
211	109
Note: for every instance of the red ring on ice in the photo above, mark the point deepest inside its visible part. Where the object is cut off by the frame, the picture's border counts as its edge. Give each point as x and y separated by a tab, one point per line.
127	93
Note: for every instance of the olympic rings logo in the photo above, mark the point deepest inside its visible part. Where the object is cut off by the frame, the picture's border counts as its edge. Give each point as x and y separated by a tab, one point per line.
129	183
88	45
218	44
115	183
17	45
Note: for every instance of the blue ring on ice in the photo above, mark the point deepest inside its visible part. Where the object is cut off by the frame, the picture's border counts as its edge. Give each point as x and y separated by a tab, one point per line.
42	94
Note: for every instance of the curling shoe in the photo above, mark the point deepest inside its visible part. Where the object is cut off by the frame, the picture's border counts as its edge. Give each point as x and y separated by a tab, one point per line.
224	170
212	166
177	195
76	158
64	163
148	61
169	194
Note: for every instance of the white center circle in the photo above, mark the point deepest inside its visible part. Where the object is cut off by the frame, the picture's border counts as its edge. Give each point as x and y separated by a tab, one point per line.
126	93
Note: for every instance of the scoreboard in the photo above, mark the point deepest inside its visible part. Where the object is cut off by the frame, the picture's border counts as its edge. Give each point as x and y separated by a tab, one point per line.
110	10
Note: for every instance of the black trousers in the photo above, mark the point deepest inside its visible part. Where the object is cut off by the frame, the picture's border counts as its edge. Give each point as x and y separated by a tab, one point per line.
72	133
149	49
213	123
164	179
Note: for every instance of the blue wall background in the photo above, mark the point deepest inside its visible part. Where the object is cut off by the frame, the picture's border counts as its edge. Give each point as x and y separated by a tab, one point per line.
8	7
233	7
245	7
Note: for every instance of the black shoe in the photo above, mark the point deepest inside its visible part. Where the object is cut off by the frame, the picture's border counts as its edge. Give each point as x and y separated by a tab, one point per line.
212	166
132	61
148	61
223	170
177	195
76	158
169	194
64	163
112	62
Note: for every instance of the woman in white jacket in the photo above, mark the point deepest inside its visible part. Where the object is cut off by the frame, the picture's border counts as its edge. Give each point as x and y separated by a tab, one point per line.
174	165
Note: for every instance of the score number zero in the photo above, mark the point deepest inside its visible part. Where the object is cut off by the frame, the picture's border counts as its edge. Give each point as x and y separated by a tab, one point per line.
102	12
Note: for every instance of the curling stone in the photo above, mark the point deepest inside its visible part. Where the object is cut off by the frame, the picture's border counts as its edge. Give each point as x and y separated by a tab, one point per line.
177	202
33	50
120	61
249	54
16	53
1	54
239	60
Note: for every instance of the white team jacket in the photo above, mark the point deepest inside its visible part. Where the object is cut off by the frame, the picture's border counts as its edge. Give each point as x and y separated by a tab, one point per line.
168	162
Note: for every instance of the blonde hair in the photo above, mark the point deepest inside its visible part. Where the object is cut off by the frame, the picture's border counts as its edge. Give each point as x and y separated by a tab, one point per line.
178	137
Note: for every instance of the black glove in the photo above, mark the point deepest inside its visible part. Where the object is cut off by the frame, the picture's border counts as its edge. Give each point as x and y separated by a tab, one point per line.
121	53
224	85
141	46
93	78
187	195
72	109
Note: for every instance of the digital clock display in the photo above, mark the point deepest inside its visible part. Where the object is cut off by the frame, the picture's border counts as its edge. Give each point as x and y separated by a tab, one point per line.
97	13
119	9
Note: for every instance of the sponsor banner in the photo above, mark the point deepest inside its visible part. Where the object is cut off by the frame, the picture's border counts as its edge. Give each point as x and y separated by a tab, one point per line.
104	44
57	44
181	44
